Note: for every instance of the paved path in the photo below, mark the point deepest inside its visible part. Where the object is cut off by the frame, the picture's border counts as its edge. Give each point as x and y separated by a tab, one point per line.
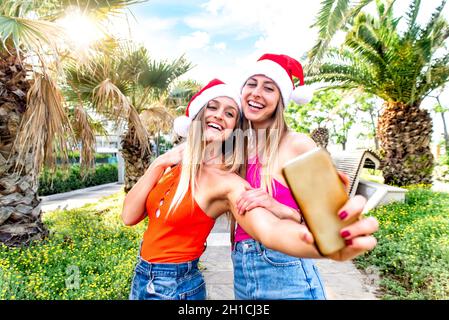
342	280
78	198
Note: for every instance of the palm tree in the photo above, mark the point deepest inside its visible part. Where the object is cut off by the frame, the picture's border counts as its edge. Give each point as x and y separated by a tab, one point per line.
401	68
34	126
126	86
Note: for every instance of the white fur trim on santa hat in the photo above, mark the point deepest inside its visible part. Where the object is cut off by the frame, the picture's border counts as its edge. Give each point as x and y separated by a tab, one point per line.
302	95
220	90
276	73
181	125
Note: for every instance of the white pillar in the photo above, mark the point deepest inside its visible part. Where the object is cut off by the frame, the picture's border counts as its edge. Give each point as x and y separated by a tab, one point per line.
120	160
120	167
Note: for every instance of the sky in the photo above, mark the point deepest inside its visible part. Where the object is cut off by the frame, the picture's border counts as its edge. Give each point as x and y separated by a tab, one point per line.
223	37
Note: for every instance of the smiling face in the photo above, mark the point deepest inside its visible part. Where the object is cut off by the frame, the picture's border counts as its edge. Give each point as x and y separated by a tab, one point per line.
220	118
260	97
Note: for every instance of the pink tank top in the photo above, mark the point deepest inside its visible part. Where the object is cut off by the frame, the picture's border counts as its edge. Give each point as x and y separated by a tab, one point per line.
280	192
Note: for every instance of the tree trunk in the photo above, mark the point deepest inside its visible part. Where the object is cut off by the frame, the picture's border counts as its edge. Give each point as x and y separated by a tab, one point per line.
321	136
373	123
446	136
404	134
135	164
20	210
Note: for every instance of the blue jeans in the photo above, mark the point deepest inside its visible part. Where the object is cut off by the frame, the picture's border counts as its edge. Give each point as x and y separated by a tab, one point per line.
264	274
167	281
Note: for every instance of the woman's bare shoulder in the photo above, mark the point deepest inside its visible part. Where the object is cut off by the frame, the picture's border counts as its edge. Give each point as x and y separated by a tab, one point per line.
225	182
298	143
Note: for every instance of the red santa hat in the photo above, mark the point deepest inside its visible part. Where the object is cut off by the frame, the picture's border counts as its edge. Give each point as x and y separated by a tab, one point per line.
214	89
281	69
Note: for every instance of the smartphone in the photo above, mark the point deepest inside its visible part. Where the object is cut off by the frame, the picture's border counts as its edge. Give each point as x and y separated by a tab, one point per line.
314	183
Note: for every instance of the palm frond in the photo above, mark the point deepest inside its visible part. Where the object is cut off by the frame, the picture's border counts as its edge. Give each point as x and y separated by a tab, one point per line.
439	76
85	134
366	43
412	14
157	118
181	93
109	100
132	60
45	128
98	9
427	30
160	74
29	35
333	15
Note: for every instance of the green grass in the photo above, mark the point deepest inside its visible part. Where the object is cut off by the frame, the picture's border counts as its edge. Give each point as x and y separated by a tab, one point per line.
412	254
89	254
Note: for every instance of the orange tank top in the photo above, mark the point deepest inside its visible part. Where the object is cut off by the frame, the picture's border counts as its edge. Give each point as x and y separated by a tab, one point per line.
180	236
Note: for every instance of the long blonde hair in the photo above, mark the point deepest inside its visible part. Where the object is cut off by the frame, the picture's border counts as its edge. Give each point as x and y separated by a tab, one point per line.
268	153
194	153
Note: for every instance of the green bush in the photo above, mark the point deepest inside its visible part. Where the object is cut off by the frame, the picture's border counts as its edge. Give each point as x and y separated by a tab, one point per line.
61	181
89	254
412	254
74	158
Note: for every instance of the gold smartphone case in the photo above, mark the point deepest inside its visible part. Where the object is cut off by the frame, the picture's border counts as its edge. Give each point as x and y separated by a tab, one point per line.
319	193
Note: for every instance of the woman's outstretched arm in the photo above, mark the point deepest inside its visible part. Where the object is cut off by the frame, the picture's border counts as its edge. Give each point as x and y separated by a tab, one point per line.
278	234
295	239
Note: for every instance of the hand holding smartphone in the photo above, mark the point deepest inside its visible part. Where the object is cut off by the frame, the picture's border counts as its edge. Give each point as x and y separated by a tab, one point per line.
319	193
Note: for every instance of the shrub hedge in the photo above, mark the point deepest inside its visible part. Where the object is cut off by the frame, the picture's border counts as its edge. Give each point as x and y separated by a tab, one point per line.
60	181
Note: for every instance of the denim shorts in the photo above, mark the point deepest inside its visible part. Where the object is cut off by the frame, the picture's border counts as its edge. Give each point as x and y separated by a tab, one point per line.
167	281
264	274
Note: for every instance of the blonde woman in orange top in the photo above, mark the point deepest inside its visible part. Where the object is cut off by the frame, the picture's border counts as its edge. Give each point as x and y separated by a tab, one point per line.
187	188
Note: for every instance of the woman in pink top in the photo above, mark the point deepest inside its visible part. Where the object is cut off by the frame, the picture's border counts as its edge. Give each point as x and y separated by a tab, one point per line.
260	272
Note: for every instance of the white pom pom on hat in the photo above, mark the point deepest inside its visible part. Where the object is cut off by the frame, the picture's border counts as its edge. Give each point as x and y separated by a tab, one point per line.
181	125
215	88
302	95
281	69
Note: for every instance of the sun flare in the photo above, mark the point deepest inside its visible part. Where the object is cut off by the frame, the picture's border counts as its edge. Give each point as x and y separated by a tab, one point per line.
81	29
